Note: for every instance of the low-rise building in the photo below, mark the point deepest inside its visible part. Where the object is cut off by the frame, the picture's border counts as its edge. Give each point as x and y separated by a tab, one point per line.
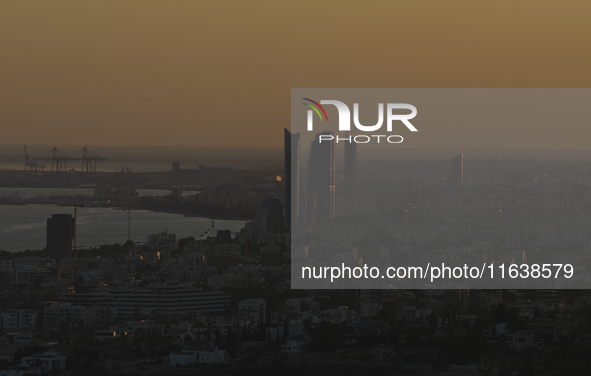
19	319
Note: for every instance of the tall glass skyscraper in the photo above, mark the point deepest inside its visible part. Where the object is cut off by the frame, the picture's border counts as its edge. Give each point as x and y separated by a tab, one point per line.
350	169
321	179
292	175
457	169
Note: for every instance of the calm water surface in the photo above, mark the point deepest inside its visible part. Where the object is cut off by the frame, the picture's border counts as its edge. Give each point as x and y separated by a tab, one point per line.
48	192
24	226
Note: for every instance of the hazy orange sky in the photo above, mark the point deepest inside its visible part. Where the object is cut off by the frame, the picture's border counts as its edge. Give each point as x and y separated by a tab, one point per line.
219	73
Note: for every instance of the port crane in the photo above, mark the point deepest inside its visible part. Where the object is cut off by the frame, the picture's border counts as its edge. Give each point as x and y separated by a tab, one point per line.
32	166
58	160
88	160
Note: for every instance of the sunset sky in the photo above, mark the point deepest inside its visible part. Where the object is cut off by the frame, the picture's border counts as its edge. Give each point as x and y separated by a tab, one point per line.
206	73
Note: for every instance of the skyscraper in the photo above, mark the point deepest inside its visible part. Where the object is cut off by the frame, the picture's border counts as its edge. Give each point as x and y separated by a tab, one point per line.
269	217
60	232
457	169
350	169
321	178
292	174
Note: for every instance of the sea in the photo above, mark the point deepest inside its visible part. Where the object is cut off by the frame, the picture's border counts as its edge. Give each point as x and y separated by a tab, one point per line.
23	227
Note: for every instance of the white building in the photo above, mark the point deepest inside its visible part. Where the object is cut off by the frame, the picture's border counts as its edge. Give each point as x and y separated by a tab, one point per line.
167	298
187	357
37	364
164	241
295	344
208	354
56	313
252	309
19	319
213	356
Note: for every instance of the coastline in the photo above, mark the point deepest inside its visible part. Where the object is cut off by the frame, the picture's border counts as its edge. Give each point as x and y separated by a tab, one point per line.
133	206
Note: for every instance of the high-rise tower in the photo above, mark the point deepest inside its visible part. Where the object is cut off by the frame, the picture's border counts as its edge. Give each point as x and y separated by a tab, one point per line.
292	175
457	169
350	169
60	233
321	178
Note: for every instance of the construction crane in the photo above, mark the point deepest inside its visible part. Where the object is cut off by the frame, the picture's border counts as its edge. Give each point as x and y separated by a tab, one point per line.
88	160
30	165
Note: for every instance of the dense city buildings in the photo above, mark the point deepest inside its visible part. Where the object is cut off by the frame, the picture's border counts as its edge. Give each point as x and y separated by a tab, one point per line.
221	298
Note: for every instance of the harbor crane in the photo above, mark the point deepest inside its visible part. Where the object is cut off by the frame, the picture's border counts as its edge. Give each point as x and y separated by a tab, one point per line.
32	166
59	160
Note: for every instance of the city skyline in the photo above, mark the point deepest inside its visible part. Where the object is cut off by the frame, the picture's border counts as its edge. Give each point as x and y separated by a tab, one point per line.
170	206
